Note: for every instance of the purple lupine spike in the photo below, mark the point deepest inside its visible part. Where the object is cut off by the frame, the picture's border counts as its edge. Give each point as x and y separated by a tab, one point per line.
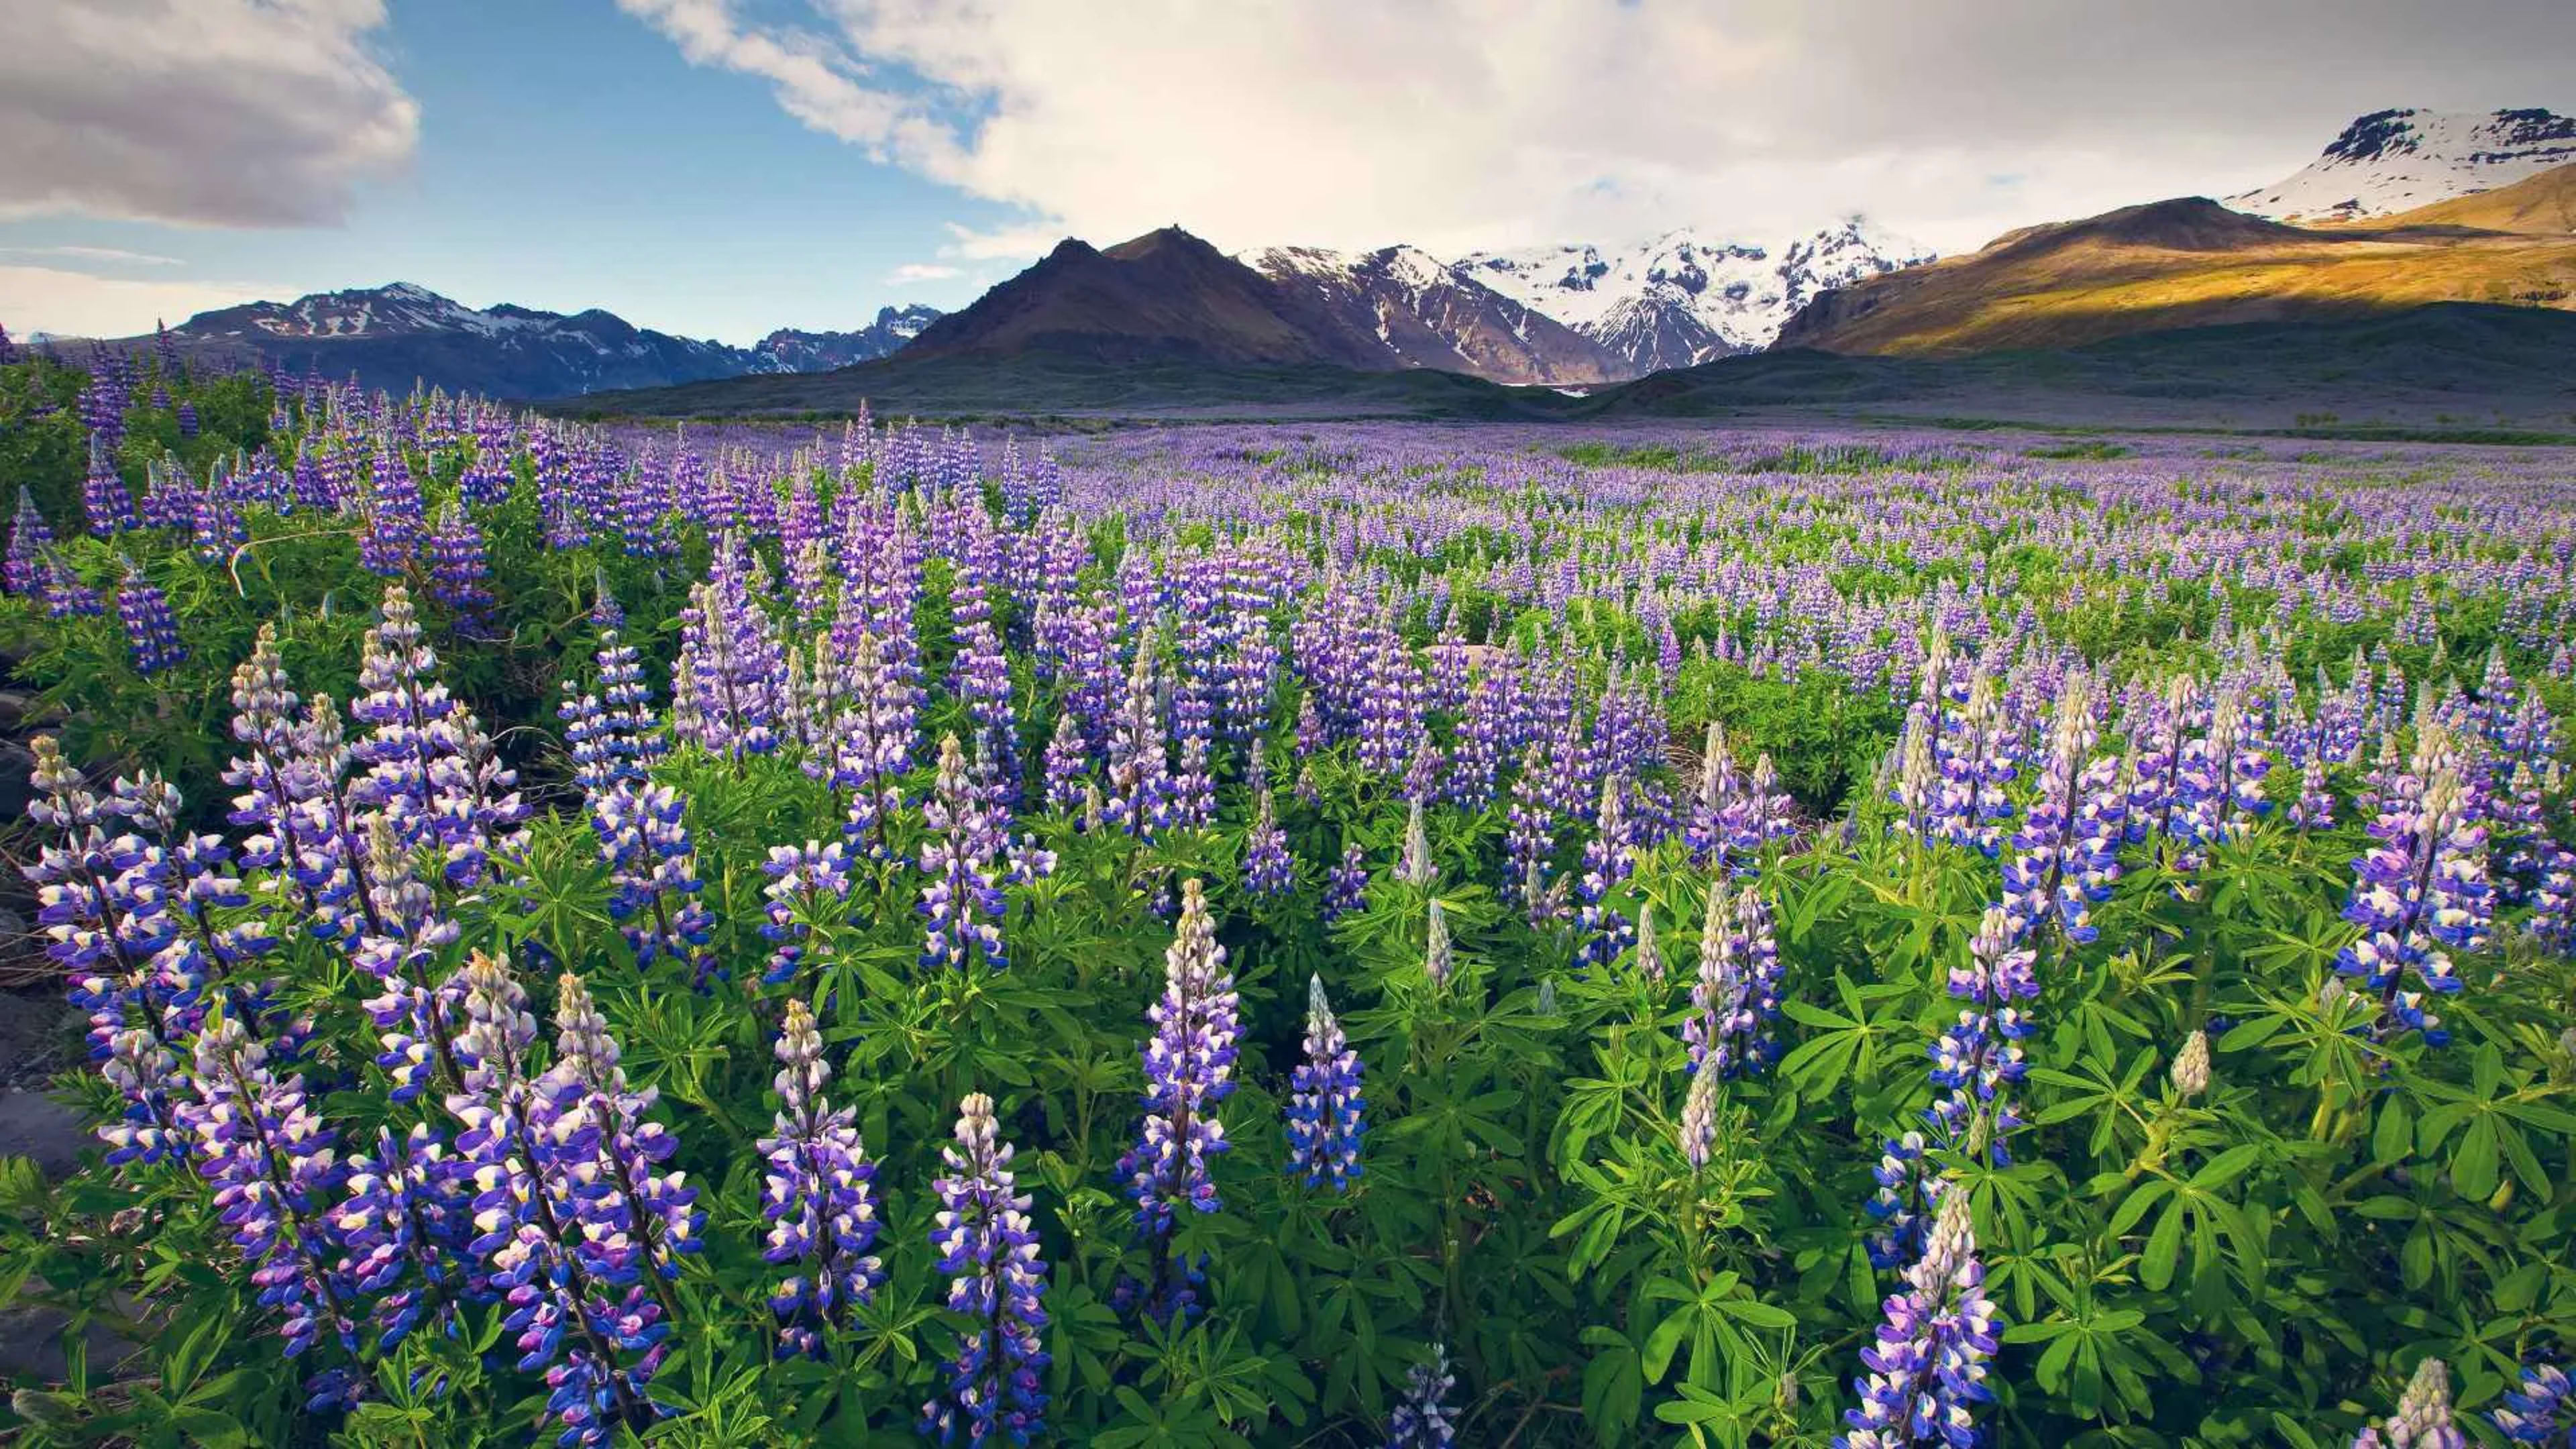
657	1208
816	1196
1346	885
104	496
104	902
410	718
562	1255
1608	860
415	1014
1326	1108
150	628
2420	892
403	1229
1422	1418
269	1158
1189	1069
2542	1410
809	890
22	572
1269	872
989	1250
457	569
1927	1370
962	894
393	523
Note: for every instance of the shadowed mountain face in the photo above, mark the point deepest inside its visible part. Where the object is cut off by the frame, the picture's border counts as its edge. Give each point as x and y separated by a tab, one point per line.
2194	263
1165	296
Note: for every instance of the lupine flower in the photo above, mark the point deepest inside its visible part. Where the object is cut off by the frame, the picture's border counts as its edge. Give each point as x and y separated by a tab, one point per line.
989	1251
1189	1069
1268	870
1927	1370
403	1227
22	570
150	627
2419	892
1422	1418
563	1254
1698	1126
269	1157
1346	885
808	887
2423	1417
456	566
2190	1071
1325	1106
1439	958
816	1197
962	892
1413	865
2541	1411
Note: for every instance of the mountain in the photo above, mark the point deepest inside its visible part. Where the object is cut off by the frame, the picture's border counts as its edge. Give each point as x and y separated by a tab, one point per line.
2393	161
2544	204
1430	316
790	350
1682	299
396	335
2185	263
1164	296
2463	368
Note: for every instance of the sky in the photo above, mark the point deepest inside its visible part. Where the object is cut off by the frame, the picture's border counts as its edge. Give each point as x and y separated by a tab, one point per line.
719	168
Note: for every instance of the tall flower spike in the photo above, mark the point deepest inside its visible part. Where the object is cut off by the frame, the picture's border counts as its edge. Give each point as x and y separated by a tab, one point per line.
1422	1418
1699	1119
1414	866
1325	1106
1927	1369
989	1251
817	1196
150	627
1439	957
1189	1069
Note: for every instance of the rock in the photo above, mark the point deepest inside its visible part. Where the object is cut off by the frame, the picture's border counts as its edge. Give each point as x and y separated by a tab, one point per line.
36	1126
31	1346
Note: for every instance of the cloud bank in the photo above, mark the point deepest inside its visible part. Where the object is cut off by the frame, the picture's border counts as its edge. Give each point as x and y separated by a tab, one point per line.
1462	123
248	113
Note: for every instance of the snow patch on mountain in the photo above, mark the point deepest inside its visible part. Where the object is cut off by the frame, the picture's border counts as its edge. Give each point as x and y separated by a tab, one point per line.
2393	161
1684	298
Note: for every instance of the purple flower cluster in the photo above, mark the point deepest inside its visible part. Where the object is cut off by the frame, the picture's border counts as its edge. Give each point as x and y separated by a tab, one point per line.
997	1282
1326	1110
1927	1370
817	1197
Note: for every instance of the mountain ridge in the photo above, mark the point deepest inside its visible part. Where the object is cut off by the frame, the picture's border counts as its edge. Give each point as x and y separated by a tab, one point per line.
2398	160
399	333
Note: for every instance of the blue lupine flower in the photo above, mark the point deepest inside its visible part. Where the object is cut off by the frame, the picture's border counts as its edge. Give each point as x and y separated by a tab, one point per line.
1927	1369
1422	1418
2542	1410
150	627
989	1251
1189	1069
1326	1110
816	1195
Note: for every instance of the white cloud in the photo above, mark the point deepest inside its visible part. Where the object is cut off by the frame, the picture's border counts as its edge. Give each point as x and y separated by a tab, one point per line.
209	112
921	272
109	256
1462	123
80	304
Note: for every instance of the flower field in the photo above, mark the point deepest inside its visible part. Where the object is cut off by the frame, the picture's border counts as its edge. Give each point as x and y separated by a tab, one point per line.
1251	935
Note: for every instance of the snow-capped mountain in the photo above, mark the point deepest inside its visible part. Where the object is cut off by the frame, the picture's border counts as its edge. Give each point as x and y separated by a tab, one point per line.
2393	161
791	350
1682	298
394	336
1429	315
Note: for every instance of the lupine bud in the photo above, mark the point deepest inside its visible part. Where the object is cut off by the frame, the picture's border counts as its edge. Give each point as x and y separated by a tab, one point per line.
2190	1072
